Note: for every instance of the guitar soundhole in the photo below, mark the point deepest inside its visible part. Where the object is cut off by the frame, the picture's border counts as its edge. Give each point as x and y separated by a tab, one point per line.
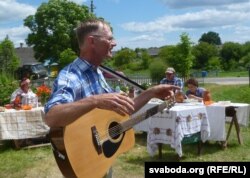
115	130
116	135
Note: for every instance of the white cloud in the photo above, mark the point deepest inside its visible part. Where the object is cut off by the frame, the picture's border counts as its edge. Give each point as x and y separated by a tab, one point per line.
242	33
79	1
203	16
16	34
12	10
239	7
199	3
193	20
148	37
115	1
230	16
144	40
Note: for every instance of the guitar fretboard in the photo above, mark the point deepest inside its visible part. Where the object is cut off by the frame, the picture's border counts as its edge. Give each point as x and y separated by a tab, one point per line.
128	124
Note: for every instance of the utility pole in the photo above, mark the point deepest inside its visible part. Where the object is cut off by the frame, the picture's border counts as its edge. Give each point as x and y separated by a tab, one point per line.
92	7
249	74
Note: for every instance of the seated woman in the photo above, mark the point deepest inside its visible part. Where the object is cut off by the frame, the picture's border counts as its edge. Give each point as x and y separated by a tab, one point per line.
23	91
194	91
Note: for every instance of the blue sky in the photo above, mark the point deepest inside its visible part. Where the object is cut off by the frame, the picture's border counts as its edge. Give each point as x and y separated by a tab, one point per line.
146	23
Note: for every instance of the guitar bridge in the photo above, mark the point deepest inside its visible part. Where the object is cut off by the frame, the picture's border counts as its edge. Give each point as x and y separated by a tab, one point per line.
96	140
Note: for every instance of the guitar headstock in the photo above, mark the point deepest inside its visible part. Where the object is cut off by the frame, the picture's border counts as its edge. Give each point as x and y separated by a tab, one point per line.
170	103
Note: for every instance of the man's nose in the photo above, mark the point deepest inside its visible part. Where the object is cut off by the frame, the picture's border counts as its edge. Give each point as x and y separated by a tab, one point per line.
113	43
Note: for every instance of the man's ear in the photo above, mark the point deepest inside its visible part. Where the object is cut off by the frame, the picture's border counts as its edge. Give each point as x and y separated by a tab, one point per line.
91	40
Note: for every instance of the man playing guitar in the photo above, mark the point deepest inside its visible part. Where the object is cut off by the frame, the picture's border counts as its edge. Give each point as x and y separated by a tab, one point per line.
81	88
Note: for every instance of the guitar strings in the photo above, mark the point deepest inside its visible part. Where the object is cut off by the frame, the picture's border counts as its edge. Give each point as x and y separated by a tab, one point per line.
116	130
112	132
119	129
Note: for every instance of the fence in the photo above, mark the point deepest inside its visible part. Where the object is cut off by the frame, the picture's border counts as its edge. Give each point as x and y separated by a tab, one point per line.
39	82
113	82
140	79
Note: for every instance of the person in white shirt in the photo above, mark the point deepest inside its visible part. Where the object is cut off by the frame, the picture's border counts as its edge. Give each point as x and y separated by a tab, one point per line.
24	90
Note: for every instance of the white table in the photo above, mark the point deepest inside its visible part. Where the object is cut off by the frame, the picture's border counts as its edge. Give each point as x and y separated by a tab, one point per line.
171	127
22	124
215	115
217	118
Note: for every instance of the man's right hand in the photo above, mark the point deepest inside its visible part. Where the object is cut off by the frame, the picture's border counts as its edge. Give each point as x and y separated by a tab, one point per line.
115	102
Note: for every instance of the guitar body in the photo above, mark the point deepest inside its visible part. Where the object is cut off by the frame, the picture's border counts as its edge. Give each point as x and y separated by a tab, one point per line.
88	147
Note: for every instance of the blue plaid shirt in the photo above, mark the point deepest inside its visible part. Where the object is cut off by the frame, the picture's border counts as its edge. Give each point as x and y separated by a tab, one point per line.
176	81
76	81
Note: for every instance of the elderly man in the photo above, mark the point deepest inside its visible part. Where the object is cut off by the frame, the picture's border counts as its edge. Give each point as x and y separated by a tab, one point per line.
171	79
81	87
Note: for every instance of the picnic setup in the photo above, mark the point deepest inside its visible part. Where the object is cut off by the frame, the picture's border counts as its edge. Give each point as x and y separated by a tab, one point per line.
189	118
86	91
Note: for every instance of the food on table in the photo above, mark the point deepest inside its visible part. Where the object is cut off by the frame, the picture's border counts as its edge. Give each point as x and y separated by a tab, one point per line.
8	106
26	107
2	109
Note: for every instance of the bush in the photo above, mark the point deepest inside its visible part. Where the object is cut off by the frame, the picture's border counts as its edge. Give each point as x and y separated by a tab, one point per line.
7	87
157	71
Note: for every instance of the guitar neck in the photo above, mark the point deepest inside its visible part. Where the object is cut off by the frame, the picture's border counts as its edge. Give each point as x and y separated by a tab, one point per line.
128	124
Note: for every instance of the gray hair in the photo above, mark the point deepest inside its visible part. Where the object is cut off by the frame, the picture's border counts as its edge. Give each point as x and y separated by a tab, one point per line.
87	27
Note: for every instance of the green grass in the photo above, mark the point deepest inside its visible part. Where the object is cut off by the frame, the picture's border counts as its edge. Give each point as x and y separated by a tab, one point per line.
233	74
17	163
233	93
39	162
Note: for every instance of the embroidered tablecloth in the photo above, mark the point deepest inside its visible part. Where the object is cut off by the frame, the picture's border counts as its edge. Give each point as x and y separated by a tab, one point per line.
22	124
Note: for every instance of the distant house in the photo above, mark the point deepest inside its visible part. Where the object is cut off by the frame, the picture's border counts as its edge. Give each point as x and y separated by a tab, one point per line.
26	54
153	52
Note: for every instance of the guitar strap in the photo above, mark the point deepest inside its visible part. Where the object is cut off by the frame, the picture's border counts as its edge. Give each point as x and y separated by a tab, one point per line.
122	77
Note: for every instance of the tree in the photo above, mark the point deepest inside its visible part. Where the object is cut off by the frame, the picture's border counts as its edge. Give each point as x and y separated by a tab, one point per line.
157	71
214	63
246	54
167	53
179	56
246	48
185	61
231	53
66	57
203	52
52	28
123	57
211	38
246	60
8	58
145	59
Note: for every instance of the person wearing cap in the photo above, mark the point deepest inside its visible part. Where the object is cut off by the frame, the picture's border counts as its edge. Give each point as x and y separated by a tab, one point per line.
23	90
171	78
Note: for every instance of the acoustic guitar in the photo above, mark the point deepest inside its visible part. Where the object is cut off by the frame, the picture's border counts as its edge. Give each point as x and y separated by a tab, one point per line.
89	146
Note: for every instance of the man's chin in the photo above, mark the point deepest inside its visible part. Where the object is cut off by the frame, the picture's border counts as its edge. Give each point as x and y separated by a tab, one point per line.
107	58
109	55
